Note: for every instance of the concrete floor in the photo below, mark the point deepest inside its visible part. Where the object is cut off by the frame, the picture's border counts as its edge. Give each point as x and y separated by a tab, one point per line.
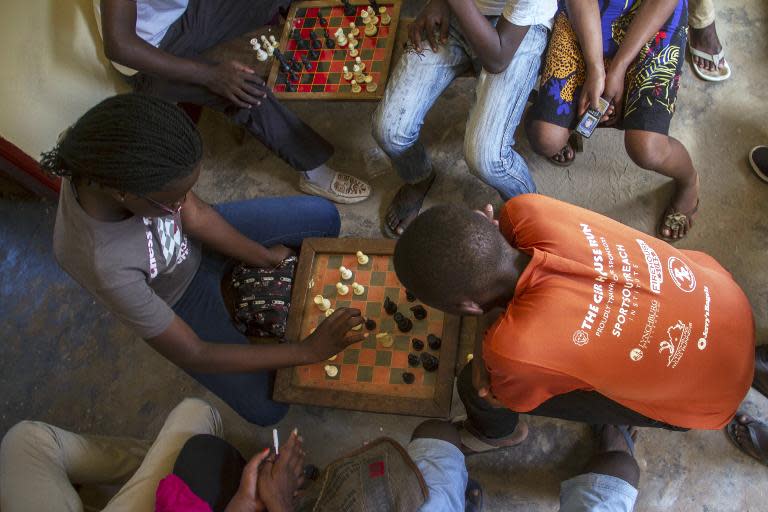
67	361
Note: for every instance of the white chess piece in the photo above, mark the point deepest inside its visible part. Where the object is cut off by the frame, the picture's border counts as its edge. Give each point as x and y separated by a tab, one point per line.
341	288
344	271
261	55
362	259
358	289
329	311
273	41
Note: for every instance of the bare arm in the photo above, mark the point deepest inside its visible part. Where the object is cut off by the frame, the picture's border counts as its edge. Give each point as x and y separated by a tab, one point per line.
233	80
495	47
650	17
182	346
584	16
203	223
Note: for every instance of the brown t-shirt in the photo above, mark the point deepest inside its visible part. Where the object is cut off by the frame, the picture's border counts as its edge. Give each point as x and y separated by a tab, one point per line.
604	307
138	268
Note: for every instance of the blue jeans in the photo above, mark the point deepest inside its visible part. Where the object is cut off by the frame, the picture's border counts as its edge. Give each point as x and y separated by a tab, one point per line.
445	473
269	221
420	78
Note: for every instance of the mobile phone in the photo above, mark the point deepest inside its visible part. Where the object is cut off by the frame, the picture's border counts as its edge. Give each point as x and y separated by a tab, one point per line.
591	119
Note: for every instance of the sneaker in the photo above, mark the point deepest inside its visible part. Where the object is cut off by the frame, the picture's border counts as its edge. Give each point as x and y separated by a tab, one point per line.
758	158
344	189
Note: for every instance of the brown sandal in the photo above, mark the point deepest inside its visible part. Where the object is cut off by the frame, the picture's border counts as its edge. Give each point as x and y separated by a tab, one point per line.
674	220
752	449
575	144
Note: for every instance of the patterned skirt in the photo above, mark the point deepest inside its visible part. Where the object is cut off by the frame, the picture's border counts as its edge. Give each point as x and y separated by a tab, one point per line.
652	80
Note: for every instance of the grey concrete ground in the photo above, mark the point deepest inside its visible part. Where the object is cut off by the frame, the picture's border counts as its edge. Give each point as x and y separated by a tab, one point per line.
66	361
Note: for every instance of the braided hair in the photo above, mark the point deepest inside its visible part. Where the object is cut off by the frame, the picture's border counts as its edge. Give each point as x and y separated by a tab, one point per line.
131	142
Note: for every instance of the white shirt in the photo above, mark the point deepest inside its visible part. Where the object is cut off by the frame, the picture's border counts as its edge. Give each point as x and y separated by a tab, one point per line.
521	12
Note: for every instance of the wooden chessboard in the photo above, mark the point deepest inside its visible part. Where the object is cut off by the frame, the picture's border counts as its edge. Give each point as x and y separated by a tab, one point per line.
325	80
370	375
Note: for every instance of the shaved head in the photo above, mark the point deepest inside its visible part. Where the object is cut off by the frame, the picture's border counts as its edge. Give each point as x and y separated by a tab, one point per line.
450	253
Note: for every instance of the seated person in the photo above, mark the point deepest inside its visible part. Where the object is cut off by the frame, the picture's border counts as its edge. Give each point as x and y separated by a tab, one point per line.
129	230
630	54
507	38
163	40
600	323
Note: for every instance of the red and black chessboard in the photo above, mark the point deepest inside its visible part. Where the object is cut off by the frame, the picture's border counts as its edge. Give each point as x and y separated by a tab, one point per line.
325	80
369	375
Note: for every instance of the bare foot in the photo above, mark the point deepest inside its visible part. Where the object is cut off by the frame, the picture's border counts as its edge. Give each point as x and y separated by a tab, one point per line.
678	218
706	40
406	205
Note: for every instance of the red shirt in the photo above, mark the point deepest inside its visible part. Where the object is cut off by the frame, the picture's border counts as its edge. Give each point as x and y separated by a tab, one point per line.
603	307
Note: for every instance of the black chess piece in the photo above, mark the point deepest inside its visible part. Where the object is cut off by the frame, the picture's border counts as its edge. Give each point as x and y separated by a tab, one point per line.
303	44
429	362
418	345
307	64
419	313
313	54
409	296
296	65
434	342
375	5
405	325
349	9
370	324
296	34
322	20
294	77
408	377
289	87
413	360
389	306
330	43
316	43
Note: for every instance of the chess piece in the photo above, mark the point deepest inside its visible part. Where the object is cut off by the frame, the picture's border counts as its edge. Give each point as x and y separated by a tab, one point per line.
353	30
386	19
294	77
352	42
316	44
356	87
385	339
261	55
341	39
322	20
347	73
289	87
349	9
267	47
360	63
389	306
296	65
358	289
372	14
419	312
353	52
370	324
362	259
307	64
408	377
331	370
370	85
273	41
371	29
322	303
344	271
313	54
359	78
329	42
341	288
329	311
366	17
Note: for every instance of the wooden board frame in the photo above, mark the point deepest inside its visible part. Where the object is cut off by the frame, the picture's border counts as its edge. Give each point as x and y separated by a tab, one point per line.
361	96
439	406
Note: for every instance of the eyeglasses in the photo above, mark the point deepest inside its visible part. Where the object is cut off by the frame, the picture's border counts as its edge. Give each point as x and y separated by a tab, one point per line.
174	209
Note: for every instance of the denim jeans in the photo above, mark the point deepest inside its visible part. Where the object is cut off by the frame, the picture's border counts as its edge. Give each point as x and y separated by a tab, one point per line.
420	78
269	221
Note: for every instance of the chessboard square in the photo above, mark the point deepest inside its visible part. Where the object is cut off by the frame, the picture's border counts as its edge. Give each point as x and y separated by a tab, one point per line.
430	378
380	375
310	22
367	55
368	42
333	78
376	294
363	297
305	31
380	54
311	12
334	261
367	356
318	88
391	265
383	31
373	309
304	88
381	44
364	373
396	376
340	55
279	88
342	303
378	278
402	344
329	290
337	67
300	13
369	342
400	359
348	372
325	55
383	358
331	87
345	88
335	21
363	277
306	78
387	324
392	280
323	67
376	67
377	76
392	292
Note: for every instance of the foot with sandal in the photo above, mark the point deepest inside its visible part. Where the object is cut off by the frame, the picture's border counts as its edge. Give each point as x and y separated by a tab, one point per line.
707	54
748	434
405	206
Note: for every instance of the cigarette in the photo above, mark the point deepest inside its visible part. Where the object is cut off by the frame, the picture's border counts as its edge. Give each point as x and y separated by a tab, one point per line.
275	441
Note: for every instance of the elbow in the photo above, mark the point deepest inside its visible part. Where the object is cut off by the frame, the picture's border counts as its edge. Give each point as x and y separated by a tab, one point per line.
113	50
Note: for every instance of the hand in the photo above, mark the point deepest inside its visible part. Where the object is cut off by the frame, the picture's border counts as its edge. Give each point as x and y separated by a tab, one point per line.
591	91
280	478
487	212
614	92
333	334
278	253
435	16
246	499
482	383
236	82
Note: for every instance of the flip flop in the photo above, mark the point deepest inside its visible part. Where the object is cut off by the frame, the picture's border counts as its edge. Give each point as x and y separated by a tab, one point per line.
719	74
575	144
756	452
758	159
391	233
473	443
626	432
473	496
761	363
674	219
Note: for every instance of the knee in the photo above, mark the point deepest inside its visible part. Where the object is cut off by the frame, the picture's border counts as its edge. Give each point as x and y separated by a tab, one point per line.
437	429
194	411
27	436
546	139
479	157
388	129
326	215
646	149
267	415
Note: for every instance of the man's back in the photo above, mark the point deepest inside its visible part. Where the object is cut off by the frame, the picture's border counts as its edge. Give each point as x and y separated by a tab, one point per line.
604	307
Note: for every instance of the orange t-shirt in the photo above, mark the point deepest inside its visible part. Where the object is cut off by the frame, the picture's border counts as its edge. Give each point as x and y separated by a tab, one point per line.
604	307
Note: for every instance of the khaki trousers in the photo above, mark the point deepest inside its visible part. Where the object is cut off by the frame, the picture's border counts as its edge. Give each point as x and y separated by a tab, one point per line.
701	13
39	463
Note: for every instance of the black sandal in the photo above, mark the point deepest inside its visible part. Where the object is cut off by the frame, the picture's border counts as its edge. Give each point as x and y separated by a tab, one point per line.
473	496
575	144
